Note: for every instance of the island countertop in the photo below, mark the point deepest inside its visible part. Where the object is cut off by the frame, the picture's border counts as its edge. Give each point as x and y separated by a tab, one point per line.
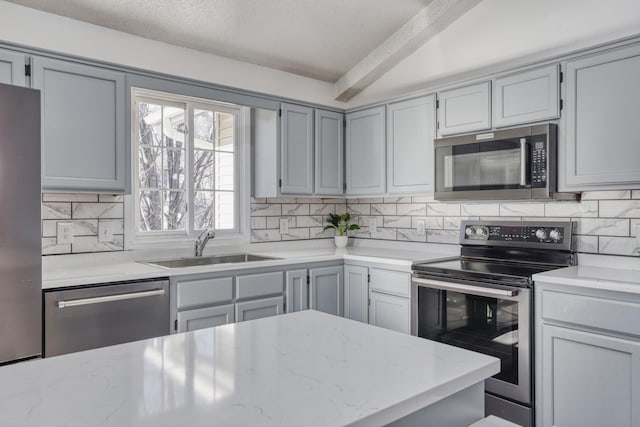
305	368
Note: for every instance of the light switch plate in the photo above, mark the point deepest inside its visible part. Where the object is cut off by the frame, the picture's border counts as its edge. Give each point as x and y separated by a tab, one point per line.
105	231
64	234
420	226
373	227
284	226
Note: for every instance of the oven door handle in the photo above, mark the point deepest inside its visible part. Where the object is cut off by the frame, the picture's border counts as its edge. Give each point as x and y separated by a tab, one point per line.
469	289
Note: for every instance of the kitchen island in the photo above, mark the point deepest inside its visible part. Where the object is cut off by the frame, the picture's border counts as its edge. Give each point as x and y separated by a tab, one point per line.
305	368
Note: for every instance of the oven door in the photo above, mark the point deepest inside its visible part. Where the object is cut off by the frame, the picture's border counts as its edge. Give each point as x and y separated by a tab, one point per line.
490	319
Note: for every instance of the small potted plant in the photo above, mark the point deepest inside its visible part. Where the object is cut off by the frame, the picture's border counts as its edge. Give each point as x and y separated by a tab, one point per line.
341	224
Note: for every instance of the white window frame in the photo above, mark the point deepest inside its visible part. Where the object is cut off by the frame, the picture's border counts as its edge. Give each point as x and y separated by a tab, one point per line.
135	239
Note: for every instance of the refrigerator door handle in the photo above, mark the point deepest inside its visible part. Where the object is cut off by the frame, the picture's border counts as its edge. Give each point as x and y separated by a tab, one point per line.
110	298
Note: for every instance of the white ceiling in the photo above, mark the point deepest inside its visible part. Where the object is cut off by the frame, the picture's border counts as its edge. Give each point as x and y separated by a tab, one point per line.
322	39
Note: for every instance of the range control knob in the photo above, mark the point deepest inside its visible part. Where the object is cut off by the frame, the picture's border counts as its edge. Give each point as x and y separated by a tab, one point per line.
470	231
541	234
555	235
482	232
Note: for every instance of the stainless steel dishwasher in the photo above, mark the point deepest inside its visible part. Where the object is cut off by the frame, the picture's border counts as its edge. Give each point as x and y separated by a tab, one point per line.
100	315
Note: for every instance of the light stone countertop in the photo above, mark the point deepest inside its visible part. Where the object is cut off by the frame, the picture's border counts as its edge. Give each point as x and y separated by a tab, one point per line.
306	368
608	273
84	269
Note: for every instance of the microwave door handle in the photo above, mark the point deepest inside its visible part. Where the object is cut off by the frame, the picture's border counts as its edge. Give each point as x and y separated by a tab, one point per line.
523	162
468	289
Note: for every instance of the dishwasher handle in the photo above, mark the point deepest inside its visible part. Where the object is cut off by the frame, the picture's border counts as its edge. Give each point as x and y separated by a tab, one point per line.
110	298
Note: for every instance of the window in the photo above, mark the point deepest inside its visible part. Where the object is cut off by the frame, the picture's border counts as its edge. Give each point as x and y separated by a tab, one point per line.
186	164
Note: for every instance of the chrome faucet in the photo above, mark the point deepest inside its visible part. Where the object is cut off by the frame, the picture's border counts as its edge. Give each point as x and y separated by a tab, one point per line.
202	239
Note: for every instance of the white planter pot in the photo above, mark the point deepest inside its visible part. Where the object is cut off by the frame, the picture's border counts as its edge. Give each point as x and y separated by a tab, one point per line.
341	241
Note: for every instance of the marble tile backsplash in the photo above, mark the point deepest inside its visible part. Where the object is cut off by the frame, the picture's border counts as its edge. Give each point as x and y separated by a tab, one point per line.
607	221
88	213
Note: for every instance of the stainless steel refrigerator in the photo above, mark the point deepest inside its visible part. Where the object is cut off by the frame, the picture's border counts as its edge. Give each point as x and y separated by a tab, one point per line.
20	242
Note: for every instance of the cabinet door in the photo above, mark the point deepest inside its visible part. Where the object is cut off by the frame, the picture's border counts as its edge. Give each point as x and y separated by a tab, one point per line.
465	109
601	146
410	133
83	136
327	290
208	317
329	152
526	97
296	127
589	380
296	292
356	293
390	312
258	309
12	68
365	165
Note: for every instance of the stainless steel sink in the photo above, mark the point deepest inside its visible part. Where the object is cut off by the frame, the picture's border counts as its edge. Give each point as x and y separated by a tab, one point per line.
209	260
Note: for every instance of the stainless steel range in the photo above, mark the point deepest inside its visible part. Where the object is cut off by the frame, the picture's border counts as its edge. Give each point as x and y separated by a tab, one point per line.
483	301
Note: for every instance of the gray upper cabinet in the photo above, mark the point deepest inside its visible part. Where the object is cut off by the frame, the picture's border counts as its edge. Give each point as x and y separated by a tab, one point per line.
410	134
329	149
12	71
365	152
356	293
83	126
465	109
601	144
526	97
327	290
296	127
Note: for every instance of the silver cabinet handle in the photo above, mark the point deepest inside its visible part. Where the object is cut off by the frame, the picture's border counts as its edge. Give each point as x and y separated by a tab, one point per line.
469	289
523	162
109	298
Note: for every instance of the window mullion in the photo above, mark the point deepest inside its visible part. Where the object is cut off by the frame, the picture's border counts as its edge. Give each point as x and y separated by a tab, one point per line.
190	184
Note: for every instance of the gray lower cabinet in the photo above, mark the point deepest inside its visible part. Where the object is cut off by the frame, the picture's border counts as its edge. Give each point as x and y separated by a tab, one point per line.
526	97
464	109
296	290
326	289
207	317
411	128
296	136
356	293
12	68
587	357
250	310
390	299
589	380
329	153
390	312
600	147
83	126
365	152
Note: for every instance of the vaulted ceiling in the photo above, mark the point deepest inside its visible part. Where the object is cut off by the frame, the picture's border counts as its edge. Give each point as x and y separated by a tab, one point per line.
347	42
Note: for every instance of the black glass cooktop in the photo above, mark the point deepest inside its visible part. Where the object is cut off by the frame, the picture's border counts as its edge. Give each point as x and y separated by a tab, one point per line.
487	270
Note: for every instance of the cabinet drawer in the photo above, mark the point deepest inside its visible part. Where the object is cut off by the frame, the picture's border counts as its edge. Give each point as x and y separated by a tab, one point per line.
257	285
613	315
192	293
391	282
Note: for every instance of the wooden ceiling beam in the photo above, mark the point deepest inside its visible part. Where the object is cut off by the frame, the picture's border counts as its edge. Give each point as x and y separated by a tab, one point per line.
426	24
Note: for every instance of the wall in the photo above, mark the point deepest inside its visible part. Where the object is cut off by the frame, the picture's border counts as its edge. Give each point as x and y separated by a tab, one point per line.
608	221
30	27
88	212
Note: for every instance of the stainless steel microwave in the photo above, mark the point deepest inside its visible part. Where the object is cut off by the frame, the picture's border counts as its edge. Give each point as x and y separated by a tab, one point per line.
510	164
